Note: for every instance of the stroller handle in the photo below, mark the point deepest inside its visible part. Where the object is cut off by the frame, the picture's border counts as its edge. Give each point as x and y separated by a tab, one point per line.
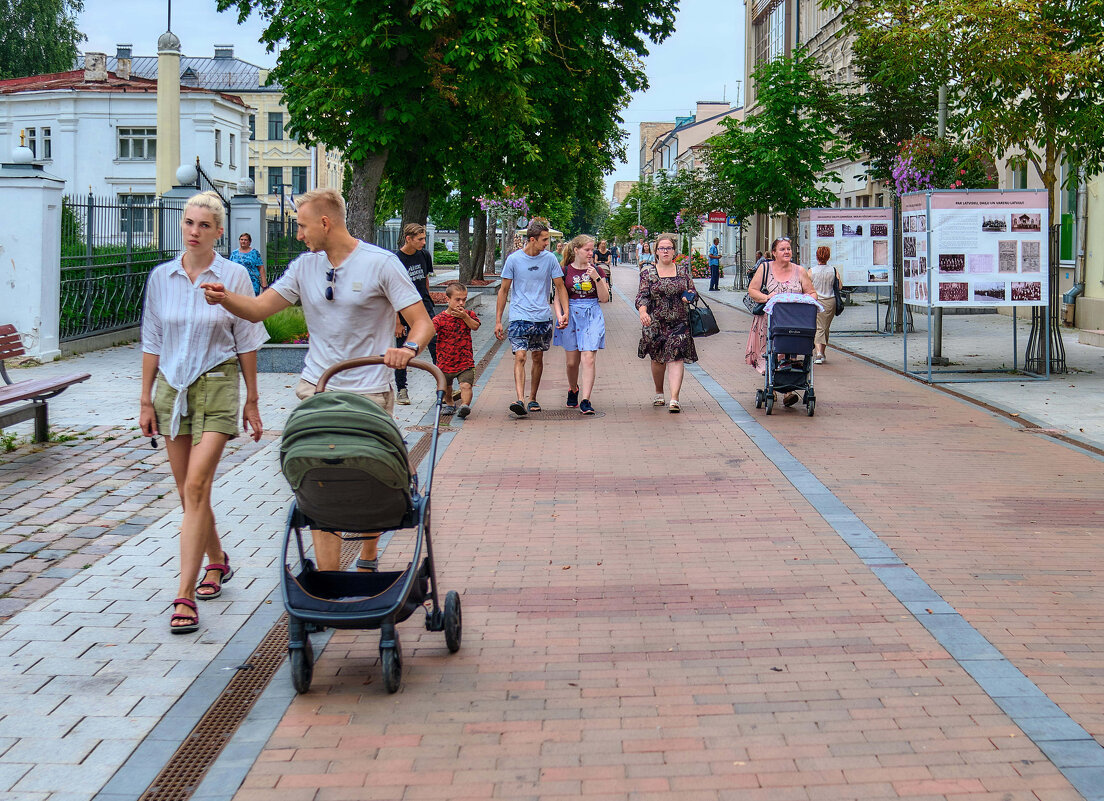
362	361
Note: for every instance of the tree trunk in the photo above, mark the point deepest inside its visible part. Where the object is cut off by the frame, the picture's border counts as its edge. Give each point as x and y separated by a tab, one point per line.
415	206
507	238
363	189
492	240
463	247
479	244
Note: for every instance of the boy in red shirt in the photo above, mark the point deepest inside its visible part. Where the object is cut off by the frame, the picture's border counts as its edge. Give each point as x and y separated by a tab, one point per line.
454	348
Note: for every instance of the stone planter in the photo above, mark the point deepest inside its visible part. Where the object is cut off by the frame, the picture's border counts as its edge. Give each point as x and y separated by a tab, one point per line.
281	358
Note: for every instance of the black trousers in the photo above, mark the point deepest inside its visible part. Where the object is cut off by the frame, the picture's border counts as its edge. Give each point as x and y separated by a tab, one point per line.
400	375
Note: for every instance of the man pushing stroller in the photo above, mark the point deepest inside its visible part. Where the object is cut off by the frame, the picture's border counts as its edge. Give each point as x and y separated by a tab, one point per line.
350	291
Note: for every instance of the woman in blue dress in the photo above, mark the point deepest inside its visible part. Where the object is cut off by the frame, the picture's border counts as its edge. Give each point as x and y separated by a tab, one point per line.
250	258
585	333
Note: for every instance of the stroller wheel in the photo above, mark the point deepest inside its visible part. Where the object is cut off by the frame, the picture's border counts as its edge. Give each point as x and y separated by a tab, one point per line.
302	666
770	403
758	399
811	407
453	621
391	659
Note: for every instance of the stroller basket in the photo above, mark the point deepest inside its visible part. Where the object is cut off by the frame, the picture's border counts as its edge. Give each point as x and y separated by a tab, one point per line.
331	593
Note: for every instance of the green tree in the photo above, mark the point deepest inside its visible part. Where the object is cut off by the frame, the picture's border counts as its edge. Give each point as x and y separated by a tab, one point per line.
777	160
38	36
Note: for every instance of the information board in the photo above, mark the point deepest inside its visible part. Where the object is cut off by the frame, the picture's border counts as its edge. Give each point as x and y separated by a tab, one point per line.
975	248
861	241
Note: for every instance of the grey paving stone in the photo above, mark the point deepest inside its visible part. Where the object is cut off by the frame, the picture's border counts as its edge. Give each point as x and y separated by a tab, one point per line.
27	546
10	773
1077	753
9	558
60	572
71	749
1088	781
1052	728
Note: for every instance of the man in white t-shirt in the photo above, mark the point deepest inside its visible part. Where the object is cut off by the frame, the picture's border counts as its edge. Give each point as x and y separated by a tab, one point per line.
350	291
531	272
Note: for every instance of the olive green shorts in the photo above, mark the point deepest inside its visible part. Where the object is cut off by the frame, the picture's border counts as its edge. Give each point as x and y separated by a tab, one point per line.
213	403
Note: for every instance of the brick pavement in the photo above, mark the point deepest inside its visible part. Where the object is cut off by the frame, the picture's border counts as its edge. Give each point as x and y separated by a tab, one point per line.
652	611
65	504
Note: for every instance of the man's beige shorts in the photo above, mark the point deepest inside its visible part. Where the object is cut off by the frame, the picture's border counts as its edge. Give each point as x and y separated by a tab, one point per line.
304	389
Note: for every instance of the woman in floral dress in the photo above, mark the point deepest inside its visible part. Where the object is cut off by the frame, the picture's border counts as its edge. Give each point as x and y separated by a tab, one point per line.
663	301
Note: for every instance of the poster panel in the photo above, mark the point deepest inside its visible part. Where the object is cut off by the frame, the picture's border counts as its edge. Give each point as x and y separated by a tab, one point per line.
914	247
861	241
988	247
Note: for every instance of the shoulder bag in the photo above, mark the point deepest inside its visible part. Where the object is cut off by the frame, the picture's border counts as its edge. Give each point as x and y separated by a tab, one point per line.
754	306
702	321
837	290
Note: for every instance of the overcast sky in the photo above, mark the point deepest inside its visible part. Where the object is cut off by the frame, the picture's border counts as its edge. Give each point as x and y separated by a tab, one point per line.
702	60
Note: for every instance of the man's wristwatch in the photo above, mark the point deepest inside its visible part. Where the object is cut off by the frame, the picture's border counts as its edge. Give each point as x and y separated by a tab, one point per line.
412	345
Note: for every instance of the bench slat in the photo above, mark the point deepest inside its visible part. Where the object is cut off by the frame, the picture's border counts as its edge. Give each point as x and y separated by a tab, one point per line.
36	387
10	344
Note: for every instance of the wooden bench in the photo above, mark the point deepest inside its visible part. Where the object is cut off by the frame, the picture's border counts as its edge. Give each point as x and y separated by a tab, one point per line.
35	390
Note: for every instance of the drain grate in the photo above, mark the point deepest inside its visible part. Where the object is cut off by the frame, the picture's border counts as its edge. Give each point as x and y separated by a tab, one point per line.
558	415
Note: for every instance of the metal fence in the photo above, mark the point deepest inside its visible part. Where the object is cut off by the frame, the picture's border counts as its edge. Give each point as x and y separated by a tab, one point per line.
108	247
283	246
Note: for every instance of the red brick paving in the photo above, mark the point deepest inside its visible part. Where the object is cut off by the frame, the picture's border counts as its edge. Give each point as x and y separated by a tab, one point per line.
650	612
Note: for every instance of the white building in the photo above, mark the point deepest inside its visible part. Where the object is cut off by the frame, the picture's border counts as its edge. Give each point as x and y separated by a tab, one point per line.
97	130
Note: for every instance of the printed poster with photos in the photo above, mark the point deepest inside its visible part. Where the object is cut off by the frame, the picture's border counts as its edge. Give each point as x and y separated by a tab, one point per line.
861	241
987	247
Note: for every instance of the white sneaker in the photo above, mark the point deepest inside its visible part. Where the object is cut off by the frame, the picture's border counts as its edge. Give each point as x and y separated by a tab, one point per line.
818	360
403	398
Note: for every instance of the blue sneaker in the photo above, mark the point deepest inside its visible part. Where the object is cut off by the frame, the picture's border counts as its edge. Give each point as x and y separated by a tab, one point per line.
572	398
585	407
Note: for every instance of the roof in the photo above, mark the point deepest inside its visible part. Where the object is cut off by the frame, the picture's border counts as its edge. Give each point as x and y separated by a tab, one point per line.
220	74
75	81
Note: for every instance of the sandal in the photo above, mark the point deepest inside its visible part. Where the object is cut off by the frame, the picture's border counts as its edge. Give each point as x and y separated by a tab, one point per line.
371	565
673	407
534	406
658	400
225	574
518	408
789	399
186	628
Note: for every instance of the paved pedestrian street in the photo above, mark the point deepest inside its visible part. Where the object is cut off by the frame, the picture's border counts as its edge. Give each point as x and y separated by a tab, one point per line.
898	598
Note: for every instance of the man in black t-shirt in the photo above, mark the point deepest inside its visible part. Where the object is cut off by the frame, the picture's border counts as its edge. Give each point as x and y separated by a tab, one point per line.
419	263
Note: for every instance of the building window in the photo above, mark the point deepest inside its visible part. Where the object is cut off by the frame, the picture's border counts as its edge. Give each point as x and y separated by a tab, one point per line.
253	175
299	180
847	202
275	125
218	147
136	214
770	33
275	180
47	147
1019	177
139	144
252	127
38	140
233	147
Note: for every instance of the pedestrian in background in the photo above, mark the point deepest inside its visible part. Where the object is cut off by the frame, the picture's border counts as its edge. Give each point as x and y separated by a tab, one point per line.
419	265
456	360
663	303
530	272
615	253
250	258
585	333
715	265
194	353
824	278
646	256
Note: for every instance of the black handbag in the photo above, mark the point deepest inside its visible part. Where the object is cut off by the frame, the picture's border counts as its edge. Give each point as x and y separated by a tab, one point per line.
754	306
702	321
837	290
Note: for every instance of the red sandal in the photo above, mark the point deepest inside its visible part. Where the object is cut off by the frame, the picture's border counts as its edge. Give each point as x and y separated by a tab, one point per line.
225	574
186	628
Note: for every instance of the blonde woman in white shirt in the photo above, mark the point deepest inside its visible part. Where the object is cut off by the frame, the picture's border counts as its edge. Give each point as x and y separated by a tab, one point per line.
192	352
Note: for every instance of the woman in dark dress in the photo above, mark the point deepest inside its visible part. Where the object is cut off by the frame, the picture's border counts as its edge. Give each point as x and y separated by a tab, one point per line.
663	303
